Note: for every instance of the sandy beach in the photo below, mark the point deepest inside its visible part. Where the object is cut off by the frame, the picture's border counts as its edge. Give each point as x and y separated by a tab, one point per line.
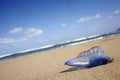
49	65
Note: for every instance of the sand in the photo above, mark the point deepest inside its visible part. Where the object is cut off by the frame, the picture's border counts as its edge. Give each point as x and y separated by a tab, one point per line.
49	65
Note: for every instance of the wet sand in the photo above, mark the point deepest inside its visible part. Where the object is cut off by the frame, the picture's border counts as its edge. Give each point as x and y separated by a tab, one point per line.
49	65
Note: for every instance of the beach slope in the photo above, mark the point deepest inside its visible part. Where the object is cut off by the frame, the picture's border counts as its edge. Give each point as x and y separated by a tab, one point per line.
49	65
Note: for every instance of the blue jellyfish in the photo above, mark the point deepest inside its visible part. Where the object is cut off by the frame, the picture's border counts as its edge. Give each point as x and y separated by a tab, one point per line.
90	58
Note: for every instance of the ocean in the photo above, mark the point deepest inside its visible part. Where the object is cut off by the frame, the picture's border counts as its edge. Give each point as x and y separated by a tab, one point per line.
49	47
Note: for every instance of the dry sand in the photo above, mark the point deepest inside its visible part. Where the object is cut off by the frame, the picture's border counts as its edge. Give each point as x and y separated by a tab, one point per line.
49	65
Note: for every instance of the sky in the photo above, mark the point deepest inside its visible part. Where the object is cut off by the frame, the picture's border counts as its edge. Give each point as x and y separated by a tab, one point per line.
28	24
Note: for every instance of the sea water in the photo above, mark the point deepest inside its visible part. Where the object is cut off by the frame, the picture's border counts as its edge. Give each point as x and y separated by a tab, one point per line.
63	44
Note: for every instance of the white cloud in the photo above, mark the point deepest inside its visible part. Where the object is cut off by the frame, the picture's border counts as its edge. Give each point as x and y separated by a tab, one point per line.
32	32
97	16
85	19
113	14
16	30
11	40
28	33
7	40
63	25
116	11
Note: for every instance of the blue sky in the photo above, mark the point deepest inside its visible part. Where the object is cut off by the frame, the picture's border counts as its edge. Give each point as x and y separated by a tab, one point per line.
27	24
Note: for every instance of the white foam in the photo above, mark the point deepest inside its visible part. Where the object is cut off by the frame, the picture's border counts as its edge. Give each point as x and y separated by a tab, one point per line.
92	36
47	46
79	39
1	56
86	41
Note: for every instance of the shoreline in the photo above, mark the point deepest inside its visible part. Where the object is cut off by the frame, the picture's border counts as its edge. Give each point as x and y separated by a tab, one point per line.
50	47
49	65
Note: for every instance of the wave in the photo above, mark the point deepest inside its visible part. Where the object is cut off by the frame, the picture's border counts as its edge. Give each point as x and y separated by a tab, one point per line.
63	44
86	41
1	56
28	50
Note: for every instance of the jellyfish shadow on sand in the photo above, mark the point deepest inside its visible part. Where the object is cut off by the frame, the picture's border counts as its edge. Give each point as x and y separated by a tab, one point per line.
72	69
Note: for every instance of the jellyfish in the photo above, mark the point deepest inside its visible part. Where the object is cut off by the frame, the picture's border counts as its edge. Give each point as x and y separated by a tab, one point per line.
90	58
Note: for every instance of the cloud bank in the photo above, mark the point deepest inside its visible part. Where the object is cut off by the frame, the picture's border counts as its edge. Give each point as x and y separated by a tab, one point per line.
32	32
89	18
63	25
27	34
16	30
113	14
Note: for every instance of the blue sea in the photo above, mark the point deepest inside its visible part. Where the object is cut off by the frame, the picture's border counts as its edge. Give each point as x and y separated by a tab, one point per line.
49	47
